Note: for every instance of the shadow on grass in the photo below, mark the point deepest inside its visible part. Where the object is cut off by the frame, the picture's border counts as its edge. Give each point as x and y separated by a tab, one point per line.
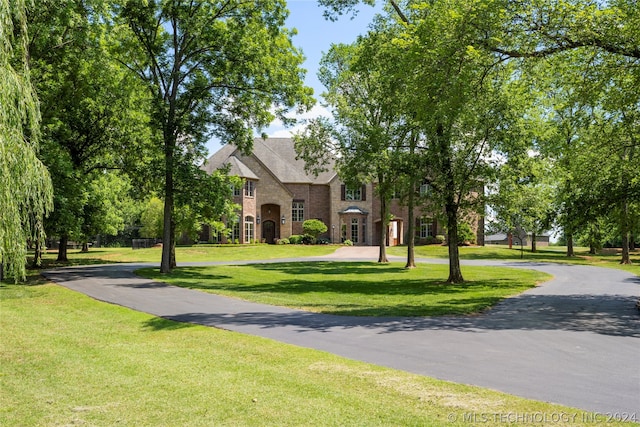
331	280
52	263
351	289
161	324
329	268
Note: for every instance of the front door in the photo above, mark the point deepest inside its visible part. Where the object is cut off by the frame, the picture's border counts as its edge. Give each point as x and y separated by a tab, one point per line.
269	231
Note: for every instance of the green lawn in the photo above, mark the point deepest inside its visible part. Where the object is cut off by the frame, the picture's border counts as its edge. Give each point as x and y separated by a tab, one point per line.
609	258
66	359
195	253
357	288
204	253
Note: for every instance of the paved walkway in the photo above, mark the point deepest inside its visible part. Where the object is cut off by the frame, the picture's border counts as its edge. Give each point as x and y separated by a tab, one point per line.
574	340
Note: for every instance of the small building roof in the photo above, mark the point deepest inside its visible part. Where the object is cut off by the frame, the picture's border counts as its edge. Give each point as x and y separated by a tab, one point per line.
495	237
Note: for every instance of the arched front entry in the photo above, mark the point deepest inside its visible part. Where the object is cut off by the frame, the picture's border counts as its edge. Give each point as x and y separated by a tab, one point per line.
270	215
269	231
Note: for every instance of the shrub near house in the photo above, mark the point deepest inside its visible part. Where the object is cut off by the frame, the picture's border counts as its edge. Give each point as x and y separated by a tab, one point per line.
312	228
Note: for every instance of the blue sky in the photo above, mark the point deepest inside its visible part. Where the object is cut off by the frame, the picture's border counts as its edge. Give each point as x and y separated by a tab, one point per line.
315	36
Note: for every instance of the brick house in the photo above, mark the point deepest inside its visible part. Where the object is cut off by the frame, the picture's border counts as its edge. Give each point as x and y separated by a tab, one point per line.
278	196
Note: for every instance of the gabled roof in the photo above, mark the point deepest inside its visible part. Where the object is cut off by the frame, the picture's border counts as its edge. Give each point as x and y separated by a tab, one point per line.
278	155
237	168
227	155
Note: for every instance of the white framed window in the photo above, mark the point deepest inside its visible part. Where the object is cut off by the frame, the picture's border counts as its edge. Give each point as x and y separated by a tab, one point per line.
355	228
249	188
425	189
353	193
297	212
248	229
236	190
235	231
426	227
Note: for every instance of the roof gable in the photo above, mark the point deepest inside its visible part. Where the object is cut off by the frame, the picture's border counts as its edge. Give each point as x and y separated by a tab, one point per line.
277	155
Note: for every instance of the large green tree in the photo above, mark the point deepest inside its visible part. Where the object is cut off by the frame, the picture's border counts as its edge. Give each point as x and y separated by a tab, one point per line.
210	67
93	114
586	57
369	127
592	105
25	185
523	198
457	97
452	92
110	206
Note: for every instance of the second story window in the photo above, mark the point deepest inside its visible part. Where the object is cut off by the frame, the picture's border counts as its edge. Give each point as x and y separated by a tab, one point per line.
425	189
297	212
236	190
353	193
249	188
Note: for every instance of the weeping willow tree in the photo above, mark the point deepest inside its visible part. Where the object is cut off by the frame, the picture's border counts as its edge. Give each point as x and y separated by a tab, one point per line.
25	184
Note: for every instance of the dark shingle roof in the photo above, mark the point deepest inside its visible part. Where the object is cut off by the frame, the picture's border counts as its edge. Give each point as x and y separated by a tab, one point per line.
278	155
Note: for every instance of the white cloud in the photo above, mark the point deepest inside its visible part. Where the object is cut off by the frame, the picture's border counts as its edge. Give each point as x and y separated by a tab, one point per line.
278	130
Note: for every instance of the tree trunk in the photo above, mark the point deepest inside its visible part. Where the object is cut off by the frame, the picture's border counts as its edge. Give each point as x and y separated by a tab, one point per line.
632	242
62	248
594	238
570	251
625	232
37	255
411	234
384	217
173	244
451	207
167	240
85	247
455	273
625	249
534	248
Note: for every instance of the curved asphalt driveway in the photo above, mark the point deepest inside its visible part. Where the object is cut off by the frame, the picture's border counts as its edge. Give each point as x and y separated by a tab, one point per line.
574	340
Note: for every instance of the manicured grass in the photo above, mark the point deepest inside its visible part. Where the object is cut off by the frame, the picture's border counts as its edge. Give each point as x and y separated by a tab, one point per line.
195	253
357	288
609	258
204	253
66	359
